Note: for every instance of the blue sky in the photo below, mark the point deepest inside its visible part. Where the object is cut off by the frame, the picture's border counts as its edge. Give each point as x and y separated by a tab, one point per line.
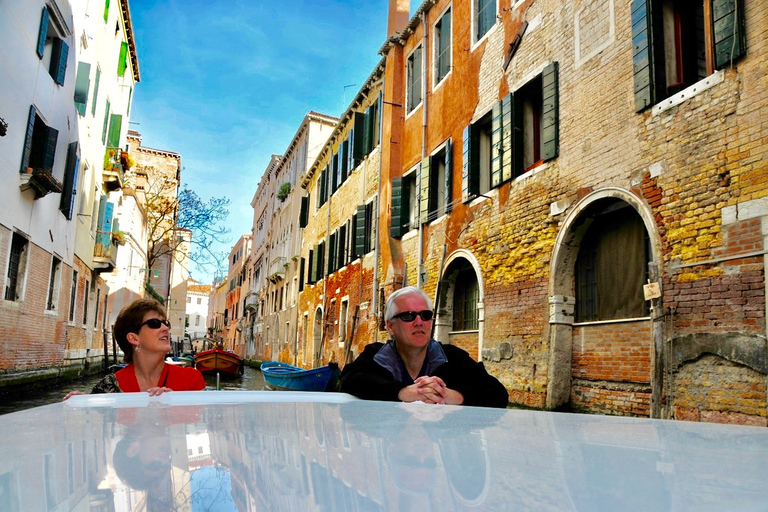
226	83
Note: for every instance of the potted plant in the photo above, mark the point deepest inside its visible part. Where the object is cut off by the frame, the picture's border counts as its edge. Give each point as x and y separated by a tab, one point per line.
118	237
283	191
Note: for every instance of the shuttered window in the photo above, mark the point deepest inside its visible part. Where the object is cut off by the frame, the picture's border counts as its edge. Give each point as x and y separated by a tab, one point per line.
442	46
399	209
67	204
96	91
43	33
82	85
122	61
304	214
413	79
106	124
40	140
677	43
485	17
358	140
58	65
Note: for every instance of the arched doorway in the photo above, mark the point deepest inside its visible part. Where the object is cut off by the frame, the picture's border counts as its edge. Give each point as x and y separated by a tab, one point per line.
459	307
602	344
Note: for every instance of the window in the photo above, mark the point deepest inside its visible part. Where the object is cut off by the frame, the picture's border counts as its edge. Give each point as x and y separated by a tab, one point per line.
343	319
73	296
98	304
86	294
189	300
372	135
39	144
122	61
442	57
53	284
484	13
413	77
679	42
69	190
199	300
404	205
106	123
612	265
363	226
51	47
520	132
95	91
17	266
436	184
466	294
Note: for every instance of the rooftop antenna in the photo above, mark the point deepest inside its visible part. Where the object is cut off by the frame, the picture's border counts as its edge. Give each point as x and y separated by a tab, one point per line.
344	97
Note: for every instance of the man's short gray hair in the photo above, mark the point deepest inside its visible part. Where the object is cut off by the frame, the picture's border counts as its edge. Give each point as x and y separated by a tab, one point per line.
391	309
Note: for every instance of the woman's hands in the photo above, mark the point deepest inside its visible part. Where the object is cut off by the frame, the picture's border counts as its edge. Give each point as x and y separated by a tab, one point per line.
72	393
430	390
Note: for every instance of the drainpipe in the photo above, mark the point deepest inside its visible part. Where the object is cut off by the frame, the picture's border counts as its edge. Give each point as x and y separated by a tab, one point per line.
376	238
420	257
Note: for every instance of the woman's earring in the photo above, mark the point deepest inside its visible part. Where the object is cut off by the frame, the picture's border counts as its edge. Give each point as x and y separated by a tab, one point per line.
137	349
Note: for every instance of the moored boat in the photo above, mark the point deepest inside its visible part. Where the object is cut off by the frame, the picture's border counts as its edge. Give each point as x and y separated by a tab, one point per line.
182	360
289	377
228	364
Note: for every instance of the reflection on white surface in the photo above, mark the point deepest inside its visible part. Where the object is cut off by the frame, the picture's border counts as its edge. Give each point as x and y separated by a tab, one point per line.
254	451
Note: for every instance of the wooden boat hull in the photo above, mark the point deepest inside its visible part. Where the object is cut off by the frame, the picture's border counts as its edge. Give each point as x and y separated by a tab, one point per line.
288	377
226	363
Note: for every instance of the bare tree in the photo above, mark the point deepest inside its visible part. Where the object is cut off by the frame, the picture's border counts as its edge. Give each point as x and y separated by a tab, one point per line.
167	213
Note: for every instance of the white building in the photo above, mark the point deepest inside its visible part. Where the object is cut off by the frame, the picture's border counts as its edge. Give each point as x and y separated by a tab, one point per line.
197	309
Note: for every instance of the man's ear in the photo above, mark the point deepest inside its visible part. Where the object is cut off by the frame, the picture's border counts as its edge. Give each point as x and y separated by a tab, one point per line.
389	328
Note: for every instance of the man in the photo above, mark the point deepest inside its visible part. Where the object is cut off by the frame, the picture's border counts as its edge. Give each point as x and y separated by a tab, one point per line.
412	367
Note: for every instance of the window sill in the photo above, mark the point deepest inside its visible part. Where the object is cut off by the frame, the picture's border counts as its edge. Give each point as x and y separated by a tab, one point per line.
414	110
410	234
485	36
471	331
697	88
531	171
615	321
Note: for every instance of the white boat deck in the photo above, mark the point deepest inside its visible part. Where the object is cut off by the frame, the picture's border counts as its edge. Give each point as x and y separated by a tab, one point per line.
262	450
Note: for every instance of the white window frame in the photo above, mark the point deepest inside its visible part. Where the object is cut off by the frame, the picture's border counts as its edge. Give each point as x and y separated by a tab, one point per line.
435	50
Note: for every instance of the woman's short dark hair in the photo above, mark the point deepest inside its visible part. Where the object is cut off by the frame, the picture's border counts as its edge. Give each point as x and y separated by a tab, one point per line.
129	320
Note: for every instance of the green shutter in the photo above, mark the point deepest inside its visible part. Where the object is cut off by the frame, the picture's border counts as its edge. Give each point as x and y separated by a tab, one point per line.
68	193
496	148
424	180
122	61
344	163
518	134
311	266
647	53
58	65
321	261
301	274
106	124
470	179
361	138
115	125
95	90
41	36
26	153
332	253
729	34
399	208
304	215
368	131
49	155
360	236
550	130
82	84
335	173
106	10
448	176
506	138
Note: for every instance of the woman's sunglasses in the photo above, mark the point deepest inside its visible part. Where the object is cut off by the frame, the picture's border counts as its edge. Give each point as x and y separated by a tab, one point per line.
410	316
155	323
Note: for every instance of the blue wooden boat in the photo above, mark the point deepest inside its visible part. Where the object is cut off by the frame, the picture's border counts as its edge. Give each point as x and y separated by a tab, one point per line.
285	376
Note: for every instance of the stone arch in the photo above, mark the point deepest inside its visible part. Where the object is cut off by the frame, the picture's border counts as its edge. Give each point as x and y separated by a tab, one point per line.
574	226
458	259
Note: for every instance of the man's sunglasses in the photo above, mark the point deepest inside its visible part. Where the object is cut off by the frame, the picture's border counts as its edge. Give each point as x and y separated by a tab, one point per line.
410	316
155	323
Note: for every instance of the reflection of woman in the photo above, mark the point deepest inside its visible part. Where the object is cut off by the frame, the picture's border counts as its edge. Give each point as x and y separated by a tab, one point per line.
143	333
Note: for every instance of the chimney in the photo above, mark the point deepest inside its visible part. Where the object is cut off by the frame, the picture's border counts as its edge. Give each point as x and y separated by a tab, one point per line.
399	12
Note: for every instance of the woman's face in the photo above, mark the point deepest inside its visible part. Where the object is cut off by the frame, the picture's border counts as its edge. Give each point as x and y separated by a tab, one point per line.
155	333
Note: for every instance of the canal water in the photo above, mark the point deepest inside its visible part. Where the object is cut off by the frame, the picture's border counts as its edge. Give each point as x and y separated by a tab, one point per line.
252	380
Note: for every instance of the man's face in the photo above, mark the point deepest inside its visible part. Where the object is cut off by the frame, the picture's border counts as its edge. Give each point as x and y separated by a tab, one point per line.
410	334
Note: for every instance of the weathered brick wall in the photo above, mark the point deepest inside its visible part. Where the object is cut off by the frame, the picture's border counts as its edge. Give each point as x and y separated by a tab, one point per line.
612	351
715	390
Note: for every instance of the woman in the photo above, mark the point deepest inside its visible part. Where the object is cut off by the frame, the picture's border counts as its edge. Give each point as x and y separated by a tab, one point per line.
143	333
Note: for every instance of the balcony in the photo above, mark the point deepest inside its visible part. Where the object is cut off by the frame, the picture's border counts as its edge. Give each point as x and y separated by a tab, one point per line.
113	175
40	180
277	269
252	301
105	252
